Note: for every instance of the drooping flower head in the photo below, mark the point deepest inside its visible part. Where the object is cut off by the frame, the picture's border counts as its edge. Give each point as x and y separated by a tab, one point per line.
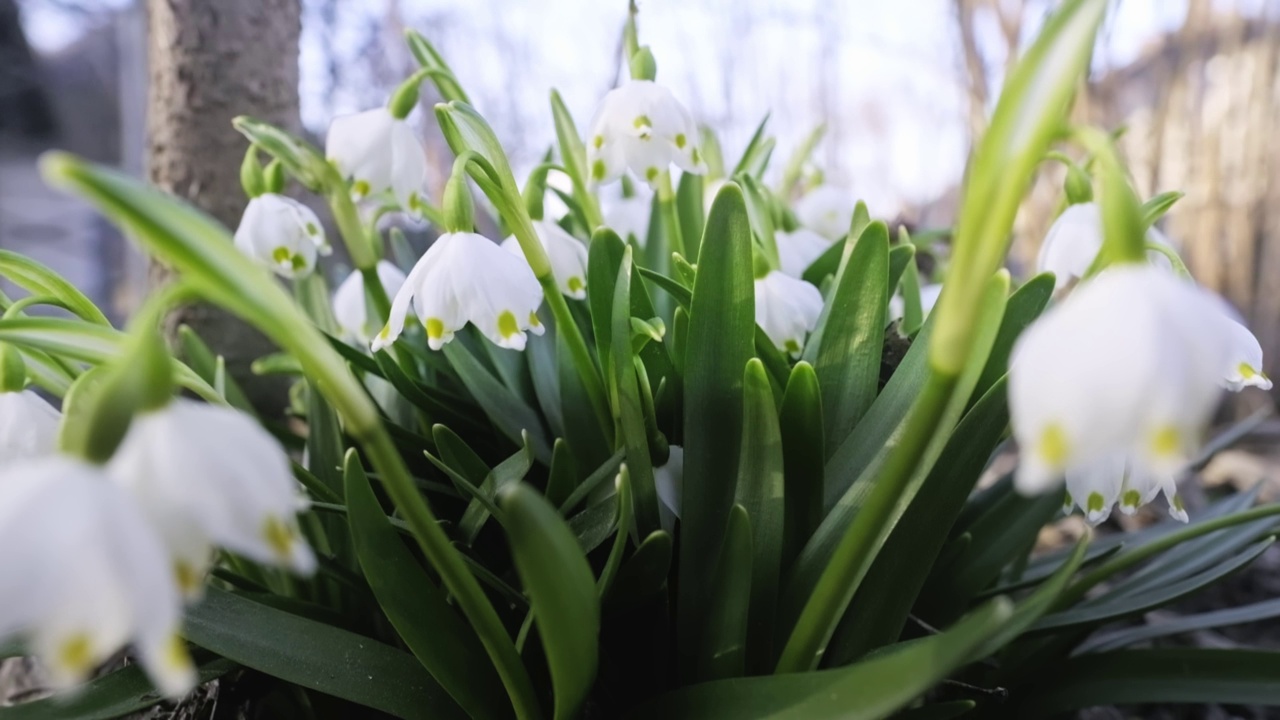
208	476
378	152
349	306
28	427
826	210
85	573
787	309
568	256
282	234
1128	366
1074	240
798	249
463	277
641	127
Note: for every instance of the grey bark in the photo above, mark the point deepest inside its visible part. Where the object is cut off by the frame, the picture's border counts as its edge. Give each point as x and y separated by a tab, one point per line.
210	62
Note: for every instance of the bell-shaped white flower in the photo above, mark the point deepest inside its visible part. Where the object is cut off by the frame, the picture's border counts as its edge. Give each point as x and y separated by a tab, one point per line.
641	126
629	217
378	152
786	309
568	256
826	210
463	277
208	476
1244	368
1127	365
1073	242
84	573
349	306
28	427
1098	486
282	234
669	481
797	250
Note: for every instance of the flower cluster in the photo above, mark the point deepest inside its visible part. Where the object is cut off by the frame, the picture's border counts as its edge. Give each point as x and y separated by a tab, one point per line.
103	555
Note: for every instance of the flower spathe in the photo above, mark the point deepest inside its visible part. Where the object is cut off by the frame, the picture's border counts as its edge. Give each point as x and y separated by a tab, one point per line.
1073	242
282	234
567	254
826	210
641	127
349	306
84	574
798	249
463	277
378	152
786	309
208	476
28	426
1128	366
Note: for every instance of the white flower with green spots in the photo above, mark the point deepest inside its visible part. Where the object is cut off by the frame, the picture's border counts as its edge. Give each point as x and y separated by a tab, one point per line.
798	249
787	309
568	256
1074	240
199	496
629	217
282	234
84	573
1128	366
1244	365
377	152
349	306
1099	486
463	277
826	210
641	127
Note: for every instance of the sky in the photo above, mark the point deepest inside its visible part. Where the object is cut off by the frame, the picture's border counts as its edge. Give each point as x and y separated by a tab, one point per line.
886	76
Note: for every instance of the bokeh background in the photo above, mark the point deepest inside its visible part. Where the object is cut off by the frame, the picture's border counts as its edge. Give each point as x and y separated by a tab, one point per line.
902	88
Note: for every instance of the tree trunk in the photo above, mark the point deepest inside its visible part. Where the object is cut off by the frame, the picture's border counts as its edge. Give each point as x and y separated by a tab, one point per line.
210	62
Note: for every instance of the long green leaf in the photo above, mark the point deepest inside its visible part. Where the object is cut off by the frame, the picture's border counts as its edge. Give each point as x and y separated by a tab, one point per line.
800	425
317	656
1255	612
561	589
760	494
728	629
509	413
869	690
419	610
628	408
643	575
41	280
720	340
848	356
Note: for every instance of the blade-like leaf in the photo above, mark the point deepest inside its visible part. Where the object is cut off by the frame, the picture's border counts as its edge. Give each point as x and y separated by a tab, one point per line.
508	412
800	425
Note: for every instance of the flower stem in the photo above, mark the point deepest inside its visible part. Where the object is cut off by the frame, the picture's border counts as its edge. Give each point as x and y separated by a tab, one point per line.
670	217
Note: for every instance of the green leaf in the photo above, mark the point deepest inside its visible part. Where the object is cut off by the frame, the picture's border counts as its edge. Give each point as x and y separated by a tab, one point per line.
760	494
40	280
756	154
117	694
1168	675
1255	612
868	690
1155	208
504	408
561	589
847	360
563	476
629	411
689	199
505	473
938	711
316	656
720	340
879	610
830	261
427	56
643	575
1025	305
419	610
572	153
901	256
800	426
728	629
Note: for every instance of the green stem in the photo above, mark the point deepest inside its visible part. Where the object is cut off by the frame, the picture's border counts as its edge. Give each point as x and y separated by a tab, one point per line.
866	534
1179	267
670	215
1124	561
590	205
360	244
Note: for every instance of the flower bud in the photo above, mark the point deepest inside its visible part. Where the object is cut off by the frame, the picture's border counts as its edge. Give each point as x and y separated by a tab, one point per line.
251	173
643	66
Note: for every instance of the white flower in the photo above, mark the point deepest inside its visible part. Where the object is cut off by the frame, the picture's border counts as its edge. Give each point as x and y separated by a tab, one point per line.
1073	242
1244	368
797	250
465	278
28	427
377	152
349	307
928	298
642	127
1128	365
786	309
84	573
669	480
208	476
826	210
629	217
568	256
1097	486
282	234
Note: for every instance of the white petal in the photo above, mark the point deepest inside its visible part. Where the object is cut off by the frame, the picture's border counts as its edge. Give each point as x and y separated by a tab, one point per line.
360	146
629	217
281	233
568	256
669	480
350	308
1244	367
408	168
786	309
1095	487
827	210
797	250
1074	240
496	290
28	426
